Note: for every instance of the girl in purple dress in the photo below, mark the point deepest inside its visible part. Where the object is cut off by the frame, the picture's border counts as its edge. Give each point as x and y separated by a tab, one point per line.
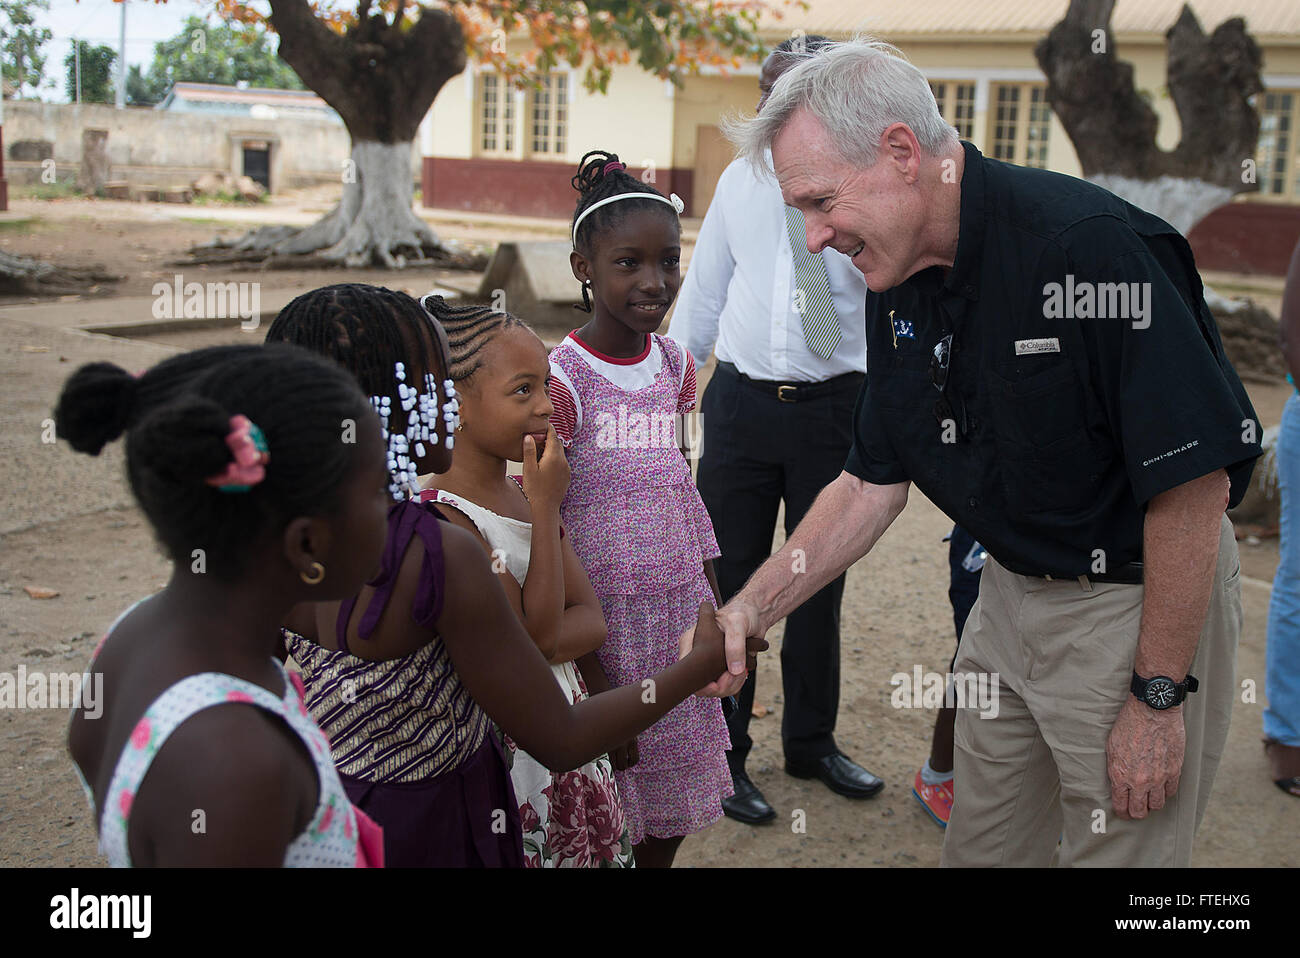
632	510
405	675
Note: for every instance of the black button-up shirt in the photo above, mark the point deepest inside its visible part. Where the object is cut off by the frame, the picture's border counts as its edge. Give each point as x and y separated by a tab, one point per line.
1085	374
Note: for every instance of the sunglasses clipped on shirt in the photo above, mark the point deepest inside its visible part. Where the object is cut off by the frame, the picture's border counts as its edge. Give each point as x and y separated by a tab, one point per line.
940	360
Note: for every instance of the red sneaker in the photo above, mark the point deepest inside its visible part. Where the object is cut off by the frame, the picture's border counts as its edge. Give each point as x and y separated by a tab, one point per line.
935	799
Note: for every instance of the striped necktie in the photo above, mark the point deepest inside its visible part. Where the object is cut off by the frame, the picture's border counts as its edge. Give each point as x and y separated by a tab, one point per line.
821	324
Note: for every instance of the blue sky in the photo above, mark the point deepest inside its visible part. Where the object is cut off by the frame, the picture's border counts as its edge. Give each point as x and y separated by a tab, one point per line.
98	21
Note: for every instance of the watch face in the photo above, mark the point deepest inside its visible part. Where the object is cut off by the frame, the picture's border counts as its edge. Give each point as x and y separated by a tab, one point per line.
1161	693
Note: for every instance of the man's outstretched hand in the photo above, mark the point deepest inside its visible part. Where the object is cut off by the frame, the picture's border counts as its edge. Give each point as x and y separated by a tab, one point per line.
739	623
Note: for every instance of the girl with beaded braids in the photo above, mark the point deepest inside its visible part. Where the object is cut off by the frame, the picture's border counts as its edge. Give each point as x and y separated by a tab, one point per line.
234	455
632	511
405	674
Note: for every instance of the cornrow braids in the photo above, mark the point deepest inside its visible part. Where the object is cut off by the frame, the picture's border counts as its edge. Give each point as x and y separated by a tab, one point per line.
597	180
469	331
384	338
176	417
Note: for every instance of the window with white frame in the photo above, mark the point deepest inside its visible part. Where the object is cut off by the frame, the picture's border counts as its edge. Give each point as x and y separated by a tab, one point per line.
496	112
1019	123
1278	162
956	101
549	115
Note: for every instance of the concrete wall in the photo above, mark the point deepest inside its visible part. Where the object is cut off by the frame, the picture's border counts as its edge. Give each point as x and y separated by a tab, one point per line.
164	148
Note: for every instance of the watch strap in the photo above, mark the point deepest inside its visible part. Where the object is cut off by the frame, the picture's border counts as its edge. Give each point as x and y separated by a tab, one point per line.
1189	684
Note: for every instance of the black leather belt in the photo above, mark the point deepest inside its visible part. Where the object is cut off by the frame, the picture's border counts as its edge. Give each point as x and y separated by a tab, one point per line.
796	392
1130	574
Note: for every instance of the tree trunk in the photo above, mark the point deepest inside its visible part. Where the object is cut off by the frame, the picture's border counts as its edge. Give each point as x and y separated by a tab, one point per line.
23	276
1114	129
381	78
94	162
372	223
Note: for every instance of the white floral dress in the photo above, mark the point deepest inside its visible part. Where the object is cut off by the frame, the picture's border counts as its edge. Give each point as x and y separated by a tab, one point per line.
570	819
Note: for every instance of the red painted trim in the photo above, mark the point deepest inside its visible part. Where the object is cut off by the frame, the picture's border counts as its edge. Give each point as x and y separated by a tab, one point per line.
1247	238
520	187
616	360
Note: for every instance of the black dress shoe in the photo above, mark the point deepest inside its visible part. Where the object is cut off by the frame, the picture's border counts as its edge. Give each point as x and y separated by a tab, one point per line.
748	804
841	775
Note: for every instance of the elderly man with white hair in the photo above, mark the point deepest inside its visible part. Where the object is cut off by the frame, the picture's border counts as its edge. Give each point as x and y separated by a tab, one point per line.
1042	365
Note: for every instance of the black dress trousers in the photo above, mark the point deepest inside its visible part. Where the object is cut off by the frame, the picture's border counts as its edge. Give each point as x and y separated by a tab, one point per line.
759	450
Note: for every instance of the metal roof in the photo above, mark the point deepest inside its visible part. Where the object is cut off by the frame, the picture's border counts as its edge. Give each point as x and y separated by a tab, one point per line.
221	93
975	19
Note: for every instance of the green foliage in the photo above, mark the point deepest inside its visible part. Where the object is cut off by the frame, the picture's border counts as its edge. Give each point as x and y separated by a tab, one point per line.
228	198
60	190
21	60
139	91
96	73
226	53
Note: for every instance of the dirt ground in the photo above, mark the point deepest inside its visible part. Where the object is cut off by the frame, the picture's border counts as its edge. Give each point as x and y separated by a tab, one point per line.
67	522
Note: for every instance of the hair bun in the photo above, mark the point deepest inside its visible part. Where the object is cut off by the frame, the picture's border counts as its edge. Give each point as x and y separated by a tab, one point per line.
95	406
591	169
192	430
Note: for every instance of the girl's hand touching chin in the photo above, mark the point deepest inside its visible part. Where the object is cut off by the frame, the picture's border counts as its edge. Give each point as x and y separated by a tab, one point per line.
546	470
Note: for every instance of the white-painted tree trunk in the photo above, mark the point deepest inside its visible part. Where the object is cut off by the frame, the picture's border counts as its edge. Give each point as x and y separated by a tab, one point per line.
1180	202
373	221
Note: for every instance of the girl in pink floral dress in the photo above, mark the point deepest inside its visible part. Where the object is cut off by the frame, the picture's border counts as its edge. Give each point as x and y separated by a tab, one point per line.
632	510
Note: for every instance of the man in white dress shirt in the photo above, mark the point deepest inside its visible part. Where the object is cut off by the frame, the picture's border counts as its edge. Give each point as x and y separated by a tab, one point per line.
789	331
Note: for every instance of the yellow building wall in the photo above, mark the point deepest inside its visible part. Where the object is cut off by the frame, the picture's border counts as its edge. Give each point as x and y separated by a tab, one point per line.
448	128
643	122
703	101
634	119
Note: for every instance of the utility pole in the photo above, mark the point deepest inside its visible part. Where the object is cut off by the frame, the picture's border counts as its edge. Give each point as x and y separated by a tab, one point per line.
121	60
4	184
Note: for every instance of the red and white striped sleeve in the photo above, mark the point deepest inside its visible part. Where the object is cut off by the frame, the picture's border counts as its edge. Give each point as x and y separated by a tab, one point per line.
567	418
686	392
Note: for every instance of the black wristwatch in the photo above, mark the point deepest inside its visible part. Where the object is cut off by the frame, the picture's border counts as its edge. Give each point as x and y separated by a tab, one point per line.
1162	692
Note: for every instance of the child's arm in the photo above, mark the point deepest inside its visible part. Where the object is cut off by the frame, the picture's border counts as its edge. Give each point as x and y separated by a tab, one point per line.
503	670
506	675
582	623
582	628
593	674
542	610
545	482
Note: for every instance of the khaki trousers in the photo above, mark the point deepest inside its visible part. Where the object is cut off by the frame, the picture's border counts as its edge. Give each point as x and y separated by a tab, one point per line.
1063	651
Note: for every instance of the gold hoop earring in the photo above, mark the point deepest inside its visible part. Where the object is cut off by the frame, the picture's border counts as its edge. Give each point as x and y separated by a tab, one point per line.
315	576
